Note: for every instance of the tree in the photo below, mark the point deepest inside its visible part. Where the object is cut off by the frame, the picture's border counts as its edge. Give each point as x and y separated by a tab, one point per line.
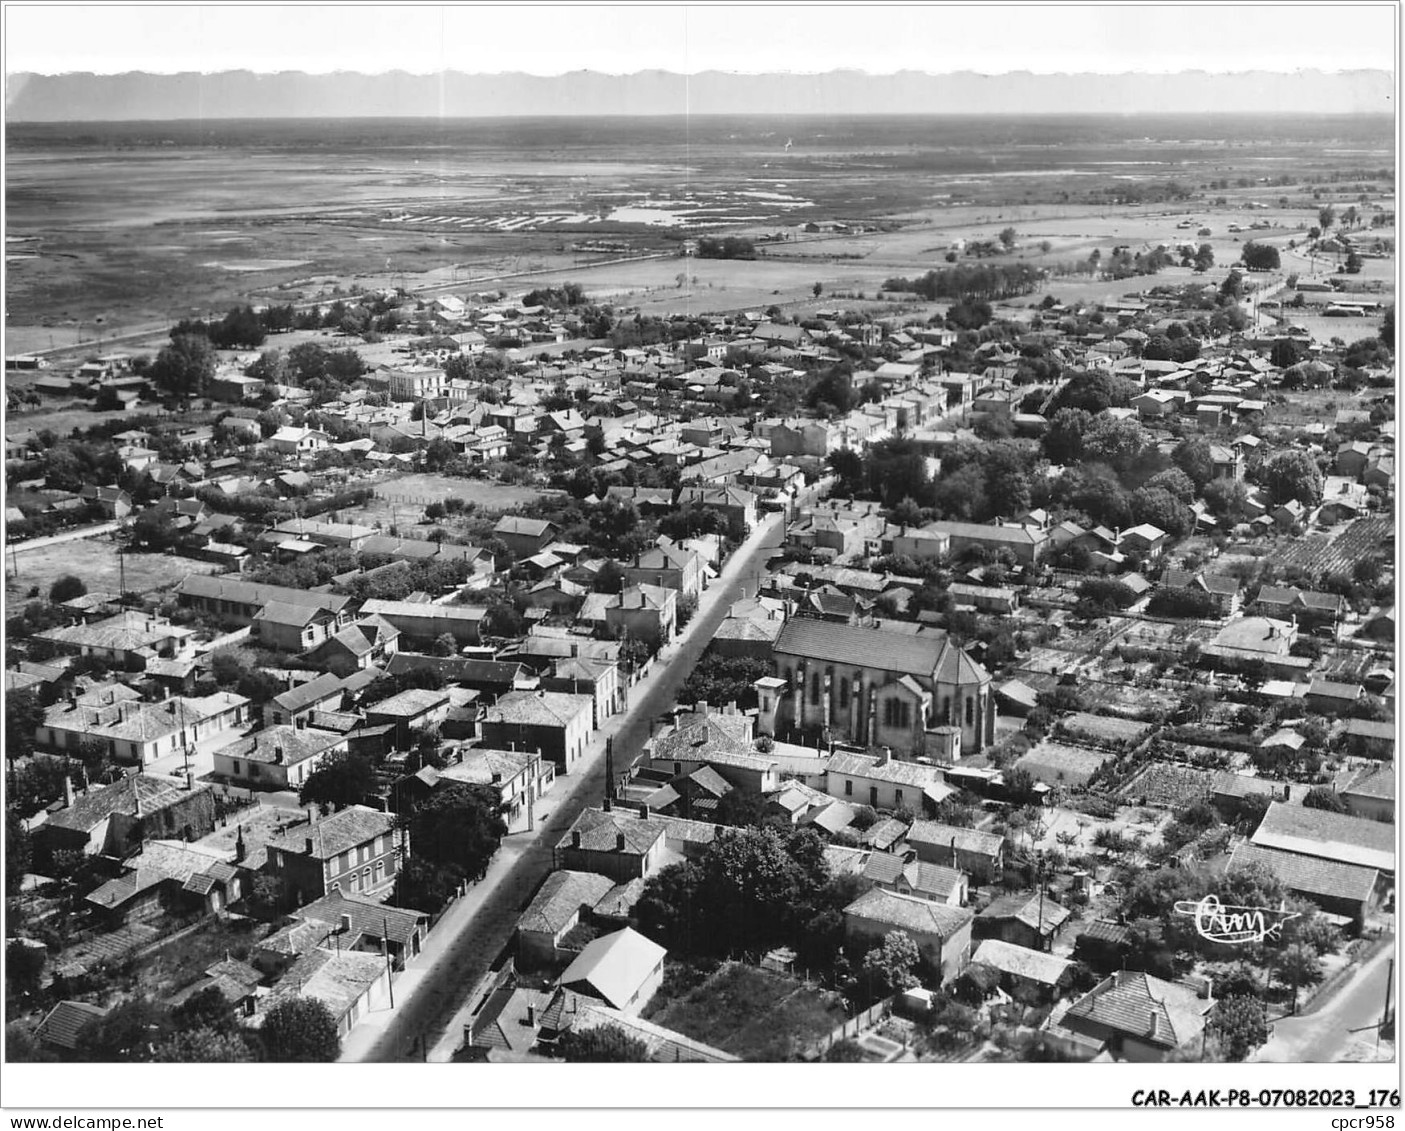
1326	215
1176	482
202	1046
601	1044
742	808
342	779
890	966
66	588
24	714
446	645
1388	326
1204	258
818	289
1007	238
1324	797
130	1032
1120	444
1293	475
184	368
1162	509
1298	965
1353	263
18	850
301	1030
1260	256
461	826
1063	442
1285	353
847	1051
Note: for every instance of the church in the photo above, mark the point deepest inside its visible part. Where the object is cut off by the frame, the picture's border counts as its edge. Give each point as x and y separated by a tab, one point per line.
918	693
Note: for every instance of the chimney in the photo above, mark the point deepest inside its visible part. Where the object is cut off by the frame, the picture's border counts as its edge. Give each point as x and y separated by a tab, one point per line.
886	756
619	842
278	755
1152	1032
700	707
308	842
344	924
72	702
576	839
643	812
532	1015
607	806
954	863
67	792
719	831
239	849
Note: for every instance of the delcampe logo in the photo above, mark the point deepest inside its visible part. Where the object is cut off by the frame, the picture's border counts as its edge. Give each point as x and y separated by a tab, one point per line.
1230	923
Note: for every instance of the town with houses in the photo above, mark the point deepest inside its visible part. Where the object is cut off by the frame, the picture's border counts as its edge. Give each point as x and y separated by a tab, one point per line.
868	679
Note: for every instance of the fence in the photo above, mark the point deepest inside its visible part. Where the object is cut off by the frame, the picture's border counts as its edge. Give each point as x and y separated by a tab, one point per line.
850	1028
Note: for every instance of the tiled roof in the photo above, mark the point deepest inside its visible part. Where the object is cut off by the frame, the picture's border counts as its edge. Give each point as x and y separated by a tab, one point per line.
338	979
894	770
1331	836
137	793
540	708
294	744
909	912
1138	1005
1375	782
1024	907
862	647
1020	961
368	918
600	832
333	835
1308	874
1104	930
967	840
64	1024
561	898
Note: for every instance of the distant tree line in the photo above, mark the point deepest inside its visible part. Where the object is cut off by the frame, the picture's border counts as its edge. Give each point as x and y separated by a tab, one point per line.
972	283
728	247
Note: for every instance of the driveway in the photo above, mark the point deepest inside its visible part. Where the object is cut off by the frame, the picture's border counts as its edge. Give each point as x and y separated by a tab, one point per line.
432	995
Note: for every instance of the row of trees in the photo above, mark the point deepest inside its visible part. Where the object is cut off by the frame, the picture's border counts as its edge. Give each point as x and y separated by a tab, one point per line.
985	282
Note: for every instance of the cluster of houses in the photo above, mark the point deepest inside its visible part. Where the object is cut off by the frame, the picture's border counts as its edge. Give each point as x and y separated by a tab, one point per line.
863	708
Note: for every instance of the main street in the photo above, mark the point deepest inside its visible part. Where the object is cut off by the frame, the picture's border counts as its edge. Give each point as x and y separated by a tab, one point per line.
431	995
1337	1030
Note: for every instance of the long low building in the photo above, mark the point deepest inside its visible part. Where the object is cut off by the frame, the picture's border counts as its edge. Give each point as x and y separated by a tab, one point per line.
238	602
427	621
1344	890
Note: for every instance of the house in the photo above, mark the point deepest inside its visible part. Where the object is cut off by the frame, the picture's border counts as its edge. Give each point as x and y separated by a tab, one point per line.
423	621
525	536
552	723
1347	892
1324	835
350	983
600	679
558	906
893	872
127	641
518	777
614	844
720	738
884	782
980	855
1331	697
234	602
277	757
1370	792
1145	539
325	692
136	731
293	628
114	820
370	641
1137	1017
623	970
1024	971
668	566
1022	919
300	443
942	933
1366	738
1027	544
414	709
644	612
166	874
360	924
64	1026
1223	591
874	687
352	850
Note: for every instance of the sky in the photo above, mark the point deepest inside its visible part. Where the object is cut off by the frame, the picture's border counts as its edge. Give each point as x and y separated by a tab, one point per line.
546	39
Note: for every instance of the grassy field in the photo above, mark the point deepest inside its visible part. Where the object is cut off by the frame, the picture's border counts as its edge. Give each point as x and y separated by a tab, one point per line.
753	1014
402	499
95	561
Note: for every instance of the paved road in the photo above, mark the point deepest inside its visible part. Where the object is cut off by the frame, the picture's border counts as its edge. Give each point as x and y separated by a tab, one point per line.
1324	1036
431	995
63	536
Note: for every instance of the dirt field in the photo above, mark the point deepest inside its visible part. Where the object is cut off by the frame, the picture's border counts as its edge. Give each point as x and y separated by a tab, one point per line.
95	561
403	499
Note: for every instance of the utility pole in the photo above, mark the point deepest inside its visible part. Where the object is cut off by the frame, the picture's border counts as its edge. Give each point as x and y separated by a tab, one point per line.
385	943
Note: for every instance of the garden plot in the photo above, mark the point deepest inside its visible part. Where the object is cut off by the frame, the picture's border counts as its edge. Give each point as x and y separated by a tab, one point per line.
1166	786
1063	764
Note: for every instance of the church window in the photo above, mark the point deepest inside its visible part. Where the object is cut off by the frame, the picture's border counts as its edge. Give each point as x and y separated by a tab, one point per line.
815	688
843	693
970	710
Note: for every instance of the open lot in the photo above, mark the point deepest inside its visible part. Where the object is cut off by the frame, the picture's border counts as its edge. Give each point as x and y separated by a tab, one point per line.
95	561
407	495
753	1014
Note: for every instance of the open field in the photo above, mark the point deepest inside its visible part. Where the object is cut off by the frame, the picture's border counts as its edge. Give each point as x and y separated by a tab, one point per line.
753	1014
95	561
125	220
401	499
